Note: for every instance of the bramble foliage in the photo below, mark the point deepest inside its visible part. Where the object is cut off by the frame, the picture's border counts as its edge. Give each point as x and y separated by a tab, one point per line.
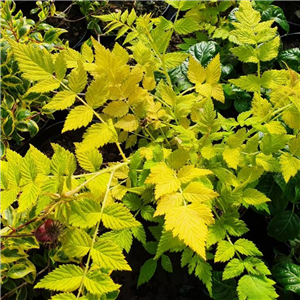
190	172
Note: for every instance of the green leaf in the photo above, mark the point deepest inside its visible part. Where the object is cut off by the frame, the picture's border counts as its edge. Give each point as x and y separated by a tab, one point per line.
8	197
185	25
203	271
108	255
245	53
147	271
166	263
78	243
233	269
288	275
80	116
256	266
65	278
223	289
284	226
99	283
19	270
246	247
123	238
272	12
250	83
64	296
117	216
251	287
225	251
53	34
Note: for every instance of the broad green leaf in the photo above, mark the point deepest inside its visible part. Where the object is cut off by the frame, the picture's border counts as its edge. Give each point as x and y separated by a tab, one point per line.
108	255
189	223
19	270
256	266
123	238
223	289
246	247
233	269
139	233
77	243
185	25
272	12
117	216
284	226
166	263
203	271
251	287
98	283
65	278
225	251
288	275
80	116
147	271
196	192
272	143
61	100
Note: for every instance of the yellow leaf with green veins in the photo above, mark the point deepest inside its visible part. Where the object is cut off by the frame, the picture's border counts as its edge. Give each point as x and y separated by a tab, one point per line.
167	202
268	50
225	251
97	93
294	146
260	107
128	123
289	166
60	66
250	83
254	197
245	53
185	25
232	157
265	36
90	160
197	193
29	196
196	73
213	70
268	162
275	127
247	15
61	100
244	36
167	185
80	116
87	53
8	197
187	173
166	93
189	223
78	78
173	60
116	108
45	86
291	117
235	140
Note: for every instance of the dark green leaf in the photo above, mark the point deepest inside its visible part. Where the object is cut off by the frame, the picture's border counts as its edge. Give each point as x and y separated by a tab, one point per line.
284	226
291	57
223	290
275	13
288	275
10	80
52	34
147	271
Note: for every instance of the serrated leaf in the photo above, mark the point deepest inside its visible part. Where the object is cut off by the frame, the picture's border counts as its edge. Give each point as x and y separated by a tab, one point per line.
225	251
213	70
64	296
288	275
188	173
269	50
197	193
97	93
185	26
116	108
61	100
196	73
250	83
254	197
65	278
8	197
284	226
166	263
128	123
107	254
78	243
98	283
35	63
80	116
256	266
246	247
78	78
232	157
245	53
203	271
223	289
29	196
147	271
117	216
173	60
233	269
251	287
90	160
290	166
97	135
41	161
123	238
44	86
189	223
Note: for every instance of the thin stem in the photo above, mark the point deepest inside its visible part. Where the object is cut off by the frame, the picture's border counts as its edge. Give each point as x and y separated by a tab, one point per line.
96	232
